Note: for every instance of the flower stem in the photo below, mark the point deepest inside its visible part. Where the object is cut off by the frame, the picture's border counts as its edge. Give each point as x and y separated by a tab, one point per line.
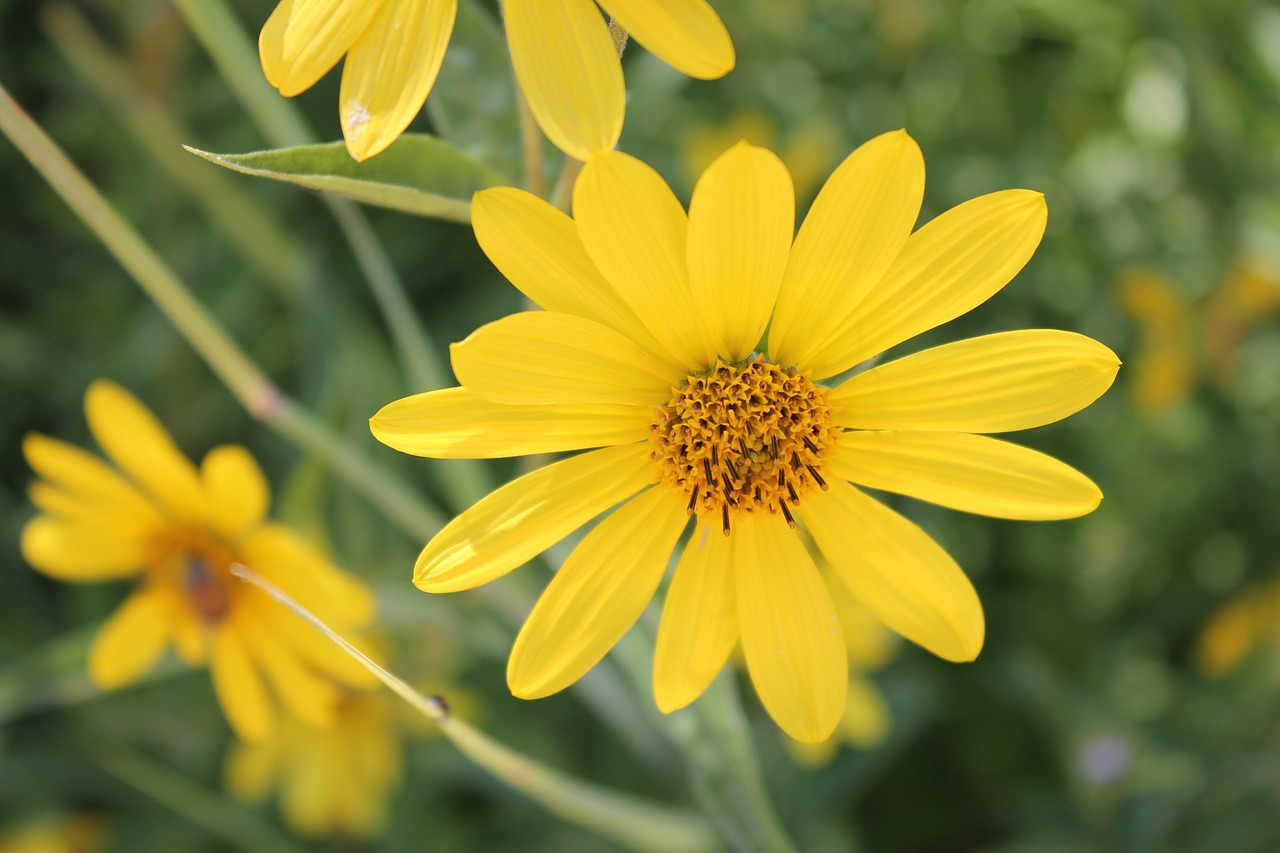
223	355
631	822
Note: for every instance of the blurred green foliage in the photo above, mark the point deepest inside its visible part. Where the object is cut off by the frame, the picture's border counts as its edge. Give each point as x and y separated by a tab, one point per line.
1153	128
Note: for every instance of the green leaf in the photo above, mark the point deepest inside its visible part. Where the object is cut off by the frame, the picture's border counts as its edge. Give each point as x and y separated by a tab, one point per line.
417	174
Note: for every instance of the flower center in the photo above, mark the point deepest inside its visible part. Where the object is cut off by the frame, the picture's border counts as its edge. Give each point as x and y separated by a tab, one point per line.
744	437
200	566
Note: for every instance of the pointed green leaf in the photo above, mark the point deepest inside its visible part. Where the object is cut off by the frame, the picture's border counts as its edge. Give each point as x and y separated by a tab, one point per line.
417	174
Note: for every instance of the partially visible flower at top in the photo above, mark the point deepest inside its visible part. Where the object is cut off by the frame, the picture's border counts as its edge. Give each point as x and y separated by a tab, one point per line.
1180	341
177	530
564	56
56	833
333	780
653	346
870	645
1249	620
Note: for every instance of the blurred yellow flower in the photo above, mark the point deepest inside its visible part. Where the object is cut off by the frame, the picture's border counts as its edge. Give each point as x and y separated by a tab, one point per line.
651	348
1180	340
1238	627
177	530
564	57
808	150
332	780
55	834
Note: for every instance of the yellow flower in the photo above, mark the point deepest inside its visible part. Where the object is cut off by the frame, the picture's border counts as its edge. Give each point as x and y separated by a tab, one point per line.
563	53
1237	627
177	530
653	348
337	779
81	833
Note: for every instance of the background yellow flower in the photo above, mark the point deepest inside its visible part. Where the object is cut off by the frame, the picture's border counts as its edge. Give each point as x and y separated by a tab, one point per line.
176	530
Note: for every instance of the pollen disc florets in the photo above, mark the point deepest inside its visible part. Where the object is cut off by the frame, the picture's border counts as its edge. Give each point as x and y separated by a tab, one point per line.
745	437
200	568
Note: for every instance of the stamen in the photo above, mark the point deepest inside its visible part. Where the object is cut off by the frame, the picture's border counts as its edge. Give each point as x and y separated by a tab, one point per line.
817	478
693	500
808	442
706	469
786	513
724	518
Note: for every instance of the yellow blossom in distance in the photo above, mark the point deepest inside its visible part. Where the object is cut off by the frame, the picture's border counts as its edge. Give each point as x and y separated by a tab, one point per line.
563	54
1247	621
653	348
176	530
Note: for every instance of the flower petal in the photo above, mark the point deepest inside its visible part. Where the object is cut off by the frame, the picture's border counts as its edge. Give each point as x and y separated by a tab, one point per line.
859	222
303	39
236	489
995	383
699	620
79	472
251	770
568	70
82	511
597	595
280	555
790	634
539	357
133	639
454	423
389	71
896	571
971	473
686	34
302	692
239	686
528	515
308	644
537	249
866	716
950	266
78	553
636	234
137	442
741	221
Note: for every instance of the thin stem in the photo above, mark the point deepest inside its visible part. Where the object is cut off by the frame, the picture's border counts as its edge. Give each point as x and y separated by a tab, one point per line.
562	195
636	824
243	378
530	148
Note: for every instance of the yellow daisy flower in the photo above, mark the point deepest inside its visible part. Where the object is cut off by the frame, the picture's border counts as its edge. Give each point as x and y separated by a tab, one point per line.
1249	620
563	53
177	529
653	348
337	779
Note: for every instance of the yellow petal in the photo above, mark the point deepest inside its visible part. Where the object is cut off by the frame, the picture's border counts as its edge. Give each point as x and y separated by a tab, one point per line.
896	571
859	222
80	510
308	644
284	558
301	691
239	686
597	595
569	72
78	553
141	446
455	424
134	639
251	769
537	248
81	473
866	716
950	266
540	357
236	489
303	39
389	71
995	383
790	634
741	221
869	644
699	620
191	641
686	34
972	473
528	515
636	232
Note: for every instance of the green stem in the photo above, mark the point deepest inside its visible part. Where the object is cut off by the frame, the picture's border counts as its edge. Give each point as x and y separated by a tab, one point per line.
235	826
633	823
223	355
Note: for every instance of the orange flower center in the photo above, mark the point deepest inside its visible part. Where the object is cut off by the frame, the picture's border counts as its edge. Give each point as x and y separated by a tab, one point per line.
746	437
200	566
